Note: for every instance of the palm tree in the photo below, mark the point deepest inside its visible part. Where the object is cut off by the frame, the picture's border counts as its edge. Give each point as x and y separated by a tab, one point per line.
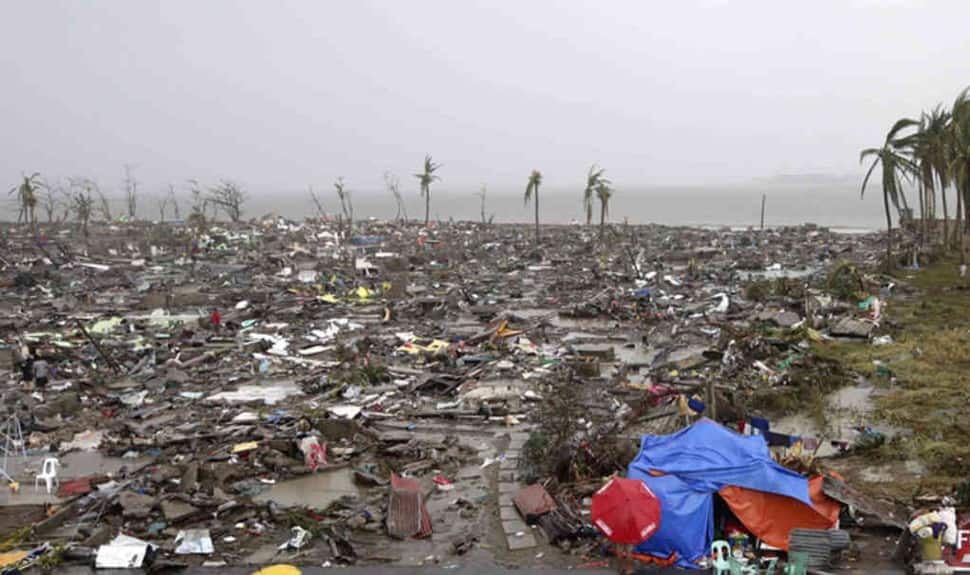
922	152
933	162
27	192
426	178
593	180
532	189
894	166
603	192
959	167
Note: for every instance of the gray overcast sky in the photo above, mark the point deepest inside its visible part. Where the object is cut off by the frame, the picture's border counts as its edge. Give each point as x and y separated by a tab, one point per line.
284	94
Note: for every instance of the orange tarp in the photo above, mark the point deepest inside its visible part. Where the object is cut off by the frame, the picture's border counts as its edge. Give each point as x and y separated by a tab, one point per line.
771	517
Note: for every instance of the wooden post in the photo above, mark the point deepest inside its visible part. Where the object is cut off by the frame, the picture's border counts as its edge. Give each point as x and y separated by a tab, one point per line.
763	198
711	399
97	347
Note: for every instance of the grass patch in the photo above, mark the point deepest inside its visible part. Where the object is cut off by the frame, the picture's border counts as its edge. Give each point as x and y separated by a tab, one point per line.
809	385
926	369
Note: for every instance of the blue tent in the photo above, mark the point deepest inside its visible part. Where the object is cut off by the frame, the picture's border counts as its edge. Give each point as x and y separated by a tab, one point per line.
697	462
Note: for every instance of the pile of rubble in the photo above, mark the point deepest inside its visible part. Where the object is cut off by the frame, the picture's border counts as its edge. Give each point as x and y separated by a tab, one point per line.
276	391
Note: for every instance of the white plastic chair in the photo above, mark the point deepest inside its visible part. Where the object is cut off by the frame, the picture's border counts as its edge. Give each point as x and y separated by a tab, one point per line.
48	473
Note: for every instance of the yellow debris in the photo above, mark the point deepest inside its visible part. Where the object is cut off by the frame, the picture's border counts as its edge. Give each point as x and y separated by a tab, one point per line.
247	446
278	570
504	331
11	558
415	348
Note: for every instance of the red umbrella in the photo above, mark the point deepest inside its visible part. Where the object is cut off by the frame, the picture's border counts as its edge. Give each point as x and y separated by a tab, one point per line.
626	511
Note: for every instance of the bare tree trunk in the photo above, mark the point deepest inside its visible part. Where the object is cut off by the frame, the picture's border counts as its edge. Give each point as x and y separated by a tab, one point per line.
958	232
958	229
175	202
427	206
946	217
764	198
317	203
602	219
922	213
966	210
963	235
889	233
930	193
537	219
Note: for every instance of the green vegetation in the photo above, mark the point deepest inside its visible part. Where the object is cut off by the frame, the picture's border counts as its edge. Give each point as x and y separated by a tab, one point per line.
926	370
895	165
845	282
935	155
16	538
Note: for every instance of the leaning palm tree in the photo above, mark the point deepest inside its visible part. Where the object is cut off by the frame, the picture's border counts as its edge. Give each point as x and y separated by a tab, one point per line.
532	190
593	180
426	178
27	192
895	165
603	192
959	167
934	163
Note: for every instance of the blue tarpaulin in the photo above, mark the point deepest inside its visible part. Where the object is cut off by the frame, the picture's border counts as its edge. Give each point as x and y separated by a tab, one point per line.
697	462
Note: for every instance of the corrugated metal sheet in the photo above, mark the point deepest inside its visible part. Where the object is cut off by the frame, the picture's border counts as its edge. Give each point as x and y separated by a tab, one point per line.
407	515
818	544
876	512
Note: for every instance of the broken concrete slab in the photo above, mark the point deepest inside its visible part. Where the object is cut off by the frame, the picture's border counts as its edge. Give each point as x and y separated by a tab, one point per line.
849	327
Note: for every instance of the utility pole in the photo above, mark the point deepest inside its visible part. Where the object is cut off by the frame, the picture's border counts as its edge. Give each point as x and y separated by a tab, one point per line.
764	197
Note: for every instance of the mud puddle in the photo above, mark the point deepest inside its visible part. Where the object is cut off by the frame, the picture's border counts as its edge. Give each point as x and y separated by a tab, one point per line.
847	409
316	491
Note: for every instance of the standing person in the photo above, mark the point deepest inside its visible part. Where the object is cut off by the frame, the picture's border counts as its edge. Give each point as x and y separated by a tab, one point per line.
41	372
18	359
26	364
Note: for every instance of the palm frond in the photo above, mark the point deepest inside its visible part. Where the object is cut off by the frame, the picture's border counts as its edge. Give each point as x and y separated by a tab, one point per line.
868	152
899	126
865	180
